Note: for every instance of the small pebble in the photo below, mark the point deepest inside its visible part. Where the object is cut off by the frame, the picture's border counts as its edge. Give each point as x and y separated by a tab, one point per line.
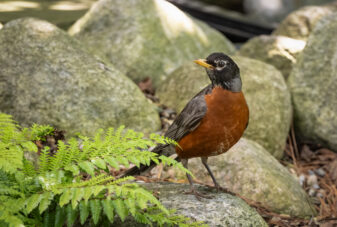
320	193
312	179
311	172
301	179
320	172
312	192
315	186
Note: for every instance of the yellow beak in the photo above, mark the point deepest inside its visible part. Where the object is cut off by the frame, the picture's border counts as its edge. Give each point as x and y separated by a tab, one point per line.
203	63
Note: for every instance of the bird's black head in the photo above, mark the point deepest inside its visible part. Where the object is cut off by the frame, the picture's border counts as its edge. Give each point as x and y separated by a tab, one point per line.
222	71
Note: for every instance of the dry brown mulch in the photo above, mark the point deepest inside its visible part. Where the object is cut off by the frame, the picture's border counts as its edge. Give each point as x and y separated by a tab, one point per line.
316	168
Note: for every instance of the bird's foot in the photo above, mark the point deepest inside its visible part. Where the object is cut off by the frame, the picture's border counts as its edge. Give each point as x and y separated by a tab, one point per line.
197	194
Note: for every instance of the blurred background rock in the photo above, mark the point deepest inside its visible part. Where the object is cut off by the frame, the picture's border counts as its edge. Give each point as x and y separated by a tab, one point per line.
237	19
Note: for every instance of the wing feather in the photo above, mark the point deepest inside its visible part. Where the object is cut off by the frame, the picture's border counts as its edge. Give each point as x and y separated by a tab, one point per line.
190	117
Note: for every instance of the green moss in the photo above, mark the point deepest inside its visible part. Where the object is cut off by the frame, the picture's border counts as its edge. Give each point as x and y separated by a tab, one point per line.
49	78
148	38
313	84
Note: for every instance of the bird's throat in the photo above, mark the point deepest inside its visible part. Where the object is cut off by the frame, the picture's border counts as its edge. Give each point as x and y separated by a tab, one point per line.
233	85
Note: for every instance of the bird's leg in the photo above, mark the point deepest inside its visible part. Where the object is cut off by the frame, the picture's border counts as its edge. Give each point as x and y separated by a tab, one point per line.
217	186
193	191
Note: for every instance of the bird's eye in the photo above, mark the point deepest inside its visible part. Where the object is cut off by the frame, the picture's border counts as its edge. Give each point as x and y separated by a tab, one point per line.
221	64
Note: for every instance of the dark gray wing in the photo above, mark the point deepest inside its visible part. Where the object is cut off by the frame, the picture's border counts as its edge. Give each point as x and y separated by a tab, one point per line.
190	117
188	120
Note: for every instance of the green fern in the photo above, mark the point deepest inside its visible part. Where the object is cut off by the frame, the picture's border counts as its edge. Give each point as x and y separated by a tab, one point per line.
74	185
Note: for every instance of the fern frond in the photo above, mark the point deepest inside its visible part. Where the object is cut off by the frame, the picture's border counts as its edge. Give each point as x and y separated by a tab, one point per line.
44	160
28	168
74	183
11	156
39	132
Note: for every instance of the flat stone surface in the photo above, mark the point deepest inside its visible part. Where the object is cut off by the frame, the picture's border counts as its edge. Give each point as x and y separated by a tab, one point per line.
148	38
47	77
313	84
250	171
265	90
222	210
279	51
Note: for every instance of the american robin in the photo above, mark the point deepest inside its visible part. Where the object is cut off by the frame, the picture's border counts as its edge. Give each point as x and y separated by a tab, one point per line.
213	120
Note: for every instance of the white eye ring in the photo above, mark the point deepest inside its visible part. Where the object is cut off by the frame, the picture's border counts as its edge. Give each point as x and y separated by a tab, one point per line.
220	64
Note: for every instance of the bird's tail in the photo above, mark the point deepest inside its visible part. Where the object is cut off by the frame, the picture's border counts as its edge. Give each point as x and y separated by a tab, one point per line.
162	149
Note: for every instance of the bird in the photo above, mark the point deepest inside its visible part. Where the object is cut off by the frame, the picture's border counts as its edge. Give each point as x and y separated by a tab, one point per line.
211	122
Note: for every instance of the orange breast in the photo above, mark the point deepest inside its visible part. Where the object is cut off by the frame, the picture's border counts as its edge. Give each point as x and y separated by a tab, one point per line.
223	125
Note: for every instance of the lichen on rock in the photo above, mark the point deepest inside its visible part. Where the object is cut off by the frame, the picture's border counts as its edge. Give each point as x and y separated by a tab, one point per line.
313	84
148	38
250	171
47	77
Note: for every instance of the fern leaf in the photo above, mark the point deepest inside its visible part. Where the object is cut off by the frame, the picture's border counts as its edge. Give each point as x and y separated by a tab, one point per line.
60	216
73	168
33	202
84	212
10	219
131	205
45	201
95	208
44	160
38	132
120	208
11	156
29	146
66	196
108	209
112	162
100	163
87	193
28	168
57	161
123	161
48	219
77	196
88	167
98	189
71	215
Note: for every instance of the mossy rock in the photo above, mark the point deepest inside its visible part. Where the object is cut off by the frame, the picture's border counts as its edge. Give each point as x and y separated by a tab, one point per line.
47	77
148	38
265	90
250	171
300	23
279	51
313	84
221	210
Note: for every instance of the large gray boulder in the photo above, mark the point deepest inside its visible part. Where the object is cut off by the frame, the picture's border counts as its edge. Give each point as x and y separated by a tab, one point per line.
47	77
250	171
272	11
222	210
265	90
279	51
300	23
148	38
313	84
